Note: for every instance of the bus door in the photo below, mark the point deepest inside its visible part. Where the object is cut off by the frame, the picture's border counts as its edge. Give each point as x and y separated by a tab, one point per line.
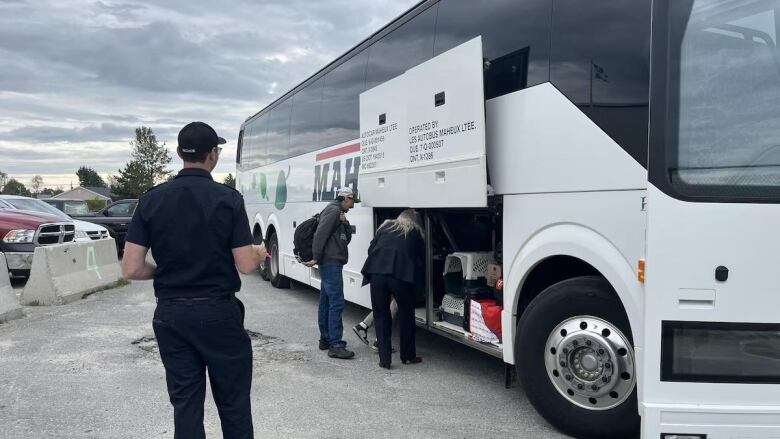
711	353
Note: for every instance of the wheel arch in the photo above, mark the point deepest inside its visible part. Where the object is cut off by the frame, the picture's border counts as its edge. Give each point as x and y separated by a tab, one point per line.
259	228
272	226
561	252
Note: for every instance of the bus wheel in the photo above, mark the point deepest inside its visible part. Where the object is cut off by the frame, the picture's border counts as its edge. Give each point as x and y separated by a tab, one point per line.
576	359
265	265
265	270
277	279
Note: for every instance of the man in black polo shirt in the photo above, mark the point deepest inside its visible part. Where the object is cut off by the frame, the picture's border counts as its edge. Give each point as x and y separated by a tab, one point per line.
199	234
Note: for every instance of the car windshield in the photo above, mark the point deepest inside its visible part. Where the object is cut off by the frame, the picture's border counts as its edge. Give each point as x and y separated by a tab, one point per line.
36	206
75	207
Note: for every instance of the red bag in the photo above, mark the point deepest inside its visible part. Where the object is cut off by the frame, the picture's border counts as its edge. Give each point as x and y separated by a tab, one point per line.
492	316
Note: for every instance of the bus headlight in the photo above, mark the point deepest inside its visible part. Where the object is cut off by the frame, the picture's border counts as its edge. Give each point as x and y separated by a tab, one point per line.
19	236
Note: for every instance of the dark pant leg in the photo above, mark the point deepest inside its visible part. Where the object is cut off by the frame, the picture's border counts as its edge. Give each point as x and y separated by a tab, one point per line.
380	304
332	285
403	293
322	313
227	350
185	372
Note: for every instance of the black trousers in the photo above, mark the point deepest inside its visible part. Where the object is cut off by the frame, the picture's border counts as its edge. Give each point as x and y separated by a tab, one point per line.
383	289
196	337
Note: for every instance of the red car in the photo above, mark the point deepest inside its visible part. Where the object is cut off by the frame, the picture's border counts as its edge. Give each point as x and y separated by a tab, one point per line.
22	231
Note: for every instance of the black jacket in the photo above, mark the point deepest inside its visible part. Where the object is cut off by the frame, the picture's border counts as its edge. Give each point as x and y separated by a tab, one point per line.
331	237
392	254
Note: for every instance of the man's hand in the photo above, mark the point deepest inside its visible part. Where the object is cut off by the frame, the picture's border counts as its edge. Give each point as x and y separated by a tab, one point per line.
311	263
249	257
262	253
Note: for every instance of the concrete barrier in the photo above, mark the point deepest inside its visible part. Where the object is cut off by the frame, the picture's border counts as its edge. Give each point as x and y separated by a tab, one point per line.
64	273
9	306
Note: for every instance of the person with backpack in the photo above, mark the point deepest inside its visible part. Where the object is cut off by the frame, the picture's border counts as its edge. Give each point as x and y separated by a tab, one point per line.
329	252
395	263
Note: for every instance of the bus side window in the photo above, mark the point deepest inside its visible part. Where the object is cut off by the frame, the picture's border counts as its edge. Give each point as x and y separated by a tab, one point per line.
305	126
515	39
238	147
340	114
405	47
278	136
601	61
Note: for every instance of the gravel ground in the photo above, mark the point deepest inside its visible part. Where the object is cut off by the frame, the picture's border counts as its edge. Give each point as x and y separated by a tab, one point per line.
91	369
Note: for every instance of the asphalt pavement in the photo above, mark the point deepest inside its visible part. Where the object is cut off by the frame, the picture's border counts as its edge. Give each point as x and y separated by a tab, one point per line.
91	369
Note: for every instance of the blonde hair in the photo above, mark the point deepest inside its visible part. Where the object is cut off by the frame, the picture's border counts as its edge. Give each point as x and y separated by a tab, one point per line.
407	221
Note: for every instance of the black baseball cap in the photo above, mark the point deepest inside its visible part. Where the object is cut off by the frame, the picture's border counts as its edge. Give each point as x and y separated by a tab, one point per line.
198	137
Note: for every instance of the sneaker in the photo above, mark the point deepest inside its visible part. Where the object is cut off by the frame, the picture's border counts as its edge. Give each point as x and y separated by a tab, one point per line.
361	332
375	347
340	352
324	345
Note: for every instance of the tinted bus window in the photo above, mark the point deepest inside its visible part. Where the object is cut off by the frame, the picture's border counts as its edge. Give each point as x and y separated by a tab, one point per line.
255	147
340	115
239	147
403	48
515	39
601	61
305	126
278	138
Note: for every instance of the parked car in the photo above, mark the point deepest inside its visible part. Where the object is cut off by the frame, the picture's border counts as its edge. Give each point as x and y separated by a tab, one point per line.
85	231
115	217
70	207
22	231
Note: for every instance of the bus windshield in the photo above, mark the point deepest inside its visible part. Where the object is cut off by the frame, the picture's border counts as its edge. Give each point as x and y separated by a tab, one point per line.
724	85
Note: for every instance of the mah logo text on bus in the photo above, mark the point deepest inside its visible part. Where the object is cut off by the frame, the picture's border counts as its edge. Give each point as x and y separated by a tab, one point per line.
332	170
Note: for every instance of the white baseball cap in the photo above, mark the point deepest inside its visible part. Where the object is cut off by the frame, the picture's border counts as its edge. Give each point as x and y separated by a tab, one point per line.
345	192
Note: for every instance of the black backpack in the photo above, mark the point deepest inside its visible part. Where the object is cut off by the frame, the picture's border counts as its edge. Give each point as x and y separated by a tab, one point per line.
303	238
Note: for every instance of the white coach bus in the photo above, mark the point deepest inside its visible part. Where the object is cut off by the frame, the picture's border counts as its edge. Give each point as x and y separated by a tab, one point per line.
618	162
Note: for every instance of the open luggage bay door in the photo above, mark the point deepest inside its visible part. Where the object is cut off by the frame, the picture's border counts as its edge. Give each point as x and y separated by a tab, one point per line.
422	135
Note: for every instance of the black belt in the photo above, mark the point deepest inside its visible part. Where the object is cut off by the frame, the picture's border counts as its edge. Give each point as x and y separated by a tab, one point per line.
197	300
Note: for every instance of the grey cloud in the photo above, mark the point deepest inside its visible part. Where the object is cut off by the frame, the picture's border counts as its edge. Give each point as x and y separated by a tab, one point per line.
45	134
91	71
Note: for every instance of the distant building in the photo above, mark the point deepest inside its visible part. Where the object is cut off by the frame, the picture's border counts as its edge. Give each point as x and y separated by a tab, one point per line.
87	193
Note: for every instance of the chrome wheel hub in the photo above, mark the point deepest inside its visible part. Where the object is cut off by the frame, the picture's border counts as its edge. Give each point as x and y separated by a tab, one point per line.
590	362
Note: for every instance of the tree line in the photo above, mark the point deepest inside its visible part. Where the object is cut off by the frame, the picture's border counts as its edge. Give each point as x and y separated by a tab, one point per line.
148	166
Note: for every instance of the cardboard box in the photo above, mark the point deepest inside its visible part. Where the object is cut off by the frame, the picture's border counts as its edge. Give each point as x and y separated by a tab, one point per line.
494	273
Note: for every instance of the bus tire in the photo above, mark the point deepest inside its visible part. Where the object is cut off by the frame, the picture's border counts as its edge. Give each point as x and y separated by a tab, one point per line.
575	357
277	279
264	268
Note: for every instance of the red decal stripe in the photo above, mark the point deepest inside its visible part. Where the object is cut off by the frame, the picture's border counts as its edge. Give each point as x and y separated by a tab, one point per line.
337	152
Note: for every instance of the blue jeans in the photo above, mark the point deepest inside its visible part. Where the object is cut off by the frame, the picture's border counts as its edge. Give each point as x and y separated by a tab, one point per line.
331	304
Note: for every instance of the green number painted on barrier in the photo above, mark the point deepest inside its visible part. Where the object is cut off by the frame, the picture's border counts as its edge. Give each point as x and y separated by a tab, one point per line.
92	262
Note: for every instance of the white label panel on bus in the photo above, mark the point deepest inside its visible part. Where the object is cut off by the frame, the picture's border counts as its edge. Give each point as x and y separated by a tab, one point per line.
435	155
383	151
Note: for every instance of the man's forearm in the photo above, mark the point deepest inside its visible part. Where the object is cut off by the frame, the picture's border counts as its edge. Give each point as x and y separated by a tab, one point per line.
144	272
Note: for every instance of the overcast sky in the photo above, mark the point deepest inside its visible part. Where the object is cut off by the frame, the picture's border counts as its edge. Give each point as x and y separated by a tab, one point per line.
79	76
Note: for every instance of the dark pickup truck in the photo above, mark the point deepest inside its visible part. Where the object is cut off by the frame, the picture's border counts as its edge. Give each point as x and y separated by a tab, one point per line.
115	217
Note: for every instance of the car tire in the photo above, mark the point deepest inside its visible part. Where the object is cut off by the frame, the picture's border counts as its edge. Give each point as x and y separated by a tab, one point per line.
583	401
